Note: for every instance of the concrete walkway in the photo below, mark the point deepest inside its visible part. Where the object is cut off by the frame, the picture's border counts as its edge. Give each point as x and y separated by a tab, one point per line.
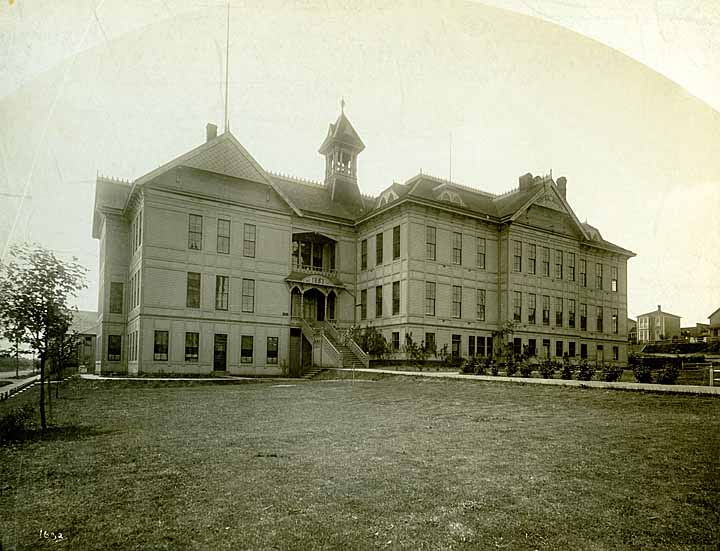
645	387
18	386
93	377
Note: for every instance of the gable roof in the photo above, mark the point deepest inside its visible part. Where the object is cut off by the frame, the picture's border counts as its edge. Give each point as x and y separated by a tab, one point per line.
222	155
661	312
342	131
715	312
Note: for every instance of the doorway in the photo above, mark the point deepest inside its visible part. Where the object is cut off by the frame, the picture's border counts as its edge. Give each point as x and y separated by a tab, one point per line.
220	352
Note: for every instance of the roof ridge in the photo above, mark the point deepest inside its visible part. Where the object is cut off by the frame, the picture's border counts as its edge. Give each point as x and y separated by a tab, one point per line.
463	186
297	179
506	193
113	179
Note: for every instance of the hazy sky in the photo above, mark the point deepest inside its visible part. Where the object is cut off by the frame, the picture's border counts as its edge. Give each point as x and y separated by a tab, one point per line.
122	87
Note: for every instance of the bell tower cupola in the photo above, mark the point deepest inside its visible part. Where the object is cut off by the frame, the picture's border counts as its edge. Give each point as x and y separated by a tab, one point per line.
341	148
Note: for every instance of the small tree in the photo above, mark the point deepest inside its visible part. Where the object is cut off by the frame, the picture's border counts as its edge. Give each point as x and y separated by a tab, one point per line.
34	289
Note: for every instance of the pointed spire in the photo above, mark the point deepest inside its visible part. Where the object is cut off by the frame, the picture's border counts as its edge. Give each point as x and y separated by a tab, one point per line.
342	105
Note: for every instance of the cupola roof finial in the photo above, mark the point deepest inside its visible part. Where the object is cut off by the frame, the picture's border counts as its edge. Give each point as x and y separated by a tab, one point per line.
342	104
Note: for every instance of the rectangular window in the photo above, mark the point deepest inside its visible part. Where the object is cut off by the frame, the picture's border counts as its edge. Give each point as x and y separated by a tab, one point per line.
532	258
532	307
457	301
430	341
600	354
223	236
222	292
192	347
396	298
598	276
546	261
517	306
532	347
379	249
429	298
571	349
195	232
114	348
471	346
571	312
481	304
272	350
558	349
583	317
583	272
489	344
517	256
248	295
616	353
613	279
160	350
558	264
395	336
456	343
363	254
192	290
363	304
546	310
378	301
600	319
480	348
614	320
246	349
558	311
546	348
517	346
457	248
116	297
431	243
249	235
480	253
396	242
583	351
571	266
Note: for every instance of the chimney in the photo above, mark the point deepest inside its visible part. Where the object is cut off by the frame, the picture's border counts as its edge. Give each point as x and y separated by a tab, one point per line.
525	181
210	131
659	308
562	186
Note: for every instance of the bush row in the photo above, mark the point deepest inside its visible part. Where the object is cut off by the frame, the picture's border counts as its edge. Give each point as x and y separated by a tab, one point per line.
582	371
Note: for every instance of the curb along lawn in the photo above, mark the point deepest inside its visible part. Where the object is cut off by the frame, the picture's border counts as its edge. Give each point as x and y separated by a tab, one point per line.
389	463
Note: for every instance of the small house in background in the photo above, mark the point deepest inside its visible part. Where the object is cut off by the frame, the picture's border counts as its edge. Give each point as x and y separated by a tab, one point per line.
714	325
657	326
85	323
698	333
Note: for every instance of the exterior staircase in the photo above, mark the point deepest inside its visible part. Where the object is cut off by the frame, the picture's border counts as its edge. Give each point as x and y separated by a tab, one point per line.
350	358
310	373
348	353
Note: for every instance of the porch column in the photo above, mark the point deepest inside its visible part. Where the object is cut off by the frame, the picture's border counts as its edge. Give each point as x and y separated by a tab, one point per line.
326	307
302	305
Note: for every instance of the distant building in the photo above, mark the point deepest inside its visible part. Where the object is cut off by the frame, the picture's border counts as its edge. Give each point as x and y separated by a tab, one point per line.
695	334
657	326
632	331
86	324
714	325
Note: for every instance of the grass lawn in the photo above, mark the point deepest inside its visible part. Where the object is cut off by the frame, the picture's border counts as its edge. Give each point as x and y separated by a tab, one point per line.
383	463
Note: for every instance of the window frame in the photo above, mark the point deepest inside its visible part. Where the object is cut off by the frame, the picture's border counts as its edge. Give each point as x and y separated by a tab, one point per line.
223	240
558	264
559	314
245	359
222	292
114	343
457	248
378	301
160	348
189	289
481	298
194	234
379	249
363	254
480	253
396	242
250	240
248	295
395	298
517	306
363	304
117	300
430	245
189	355
532	258
457	301
274	348
532	308
430	289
